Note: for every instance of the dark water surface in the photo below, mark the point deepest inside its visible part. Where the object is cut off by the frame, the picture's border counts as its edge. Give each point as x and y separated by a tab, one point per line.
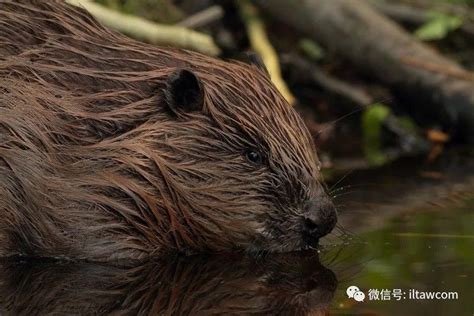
406	227
412	229
429	251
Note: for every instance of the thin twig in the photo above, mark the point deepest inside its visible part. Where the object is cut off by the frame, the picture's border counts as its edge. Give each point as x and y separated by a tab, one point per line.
203	18
330	83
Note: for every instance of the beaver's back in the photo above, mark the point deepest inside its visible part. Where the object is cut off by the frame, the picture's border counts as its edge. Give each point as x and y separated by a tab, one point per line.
67	47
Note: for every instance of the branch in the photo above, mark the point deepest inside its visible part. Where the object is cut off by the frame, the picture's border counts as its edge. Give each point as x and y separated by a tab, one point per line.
150	32
261	44
329	83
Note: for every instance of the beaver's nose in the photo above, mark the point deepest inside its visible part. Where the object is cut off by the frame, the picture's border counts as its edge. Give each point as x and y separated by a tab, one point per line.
319	218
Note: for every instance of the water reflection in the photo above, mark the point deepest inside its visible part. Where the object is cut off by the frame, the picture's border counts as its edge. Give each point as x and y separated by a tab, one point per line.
289	284
429	250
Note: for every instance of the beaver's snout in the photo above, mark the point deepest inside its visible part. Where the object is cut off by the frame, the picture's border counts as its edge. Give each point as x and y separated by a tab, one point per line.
319	219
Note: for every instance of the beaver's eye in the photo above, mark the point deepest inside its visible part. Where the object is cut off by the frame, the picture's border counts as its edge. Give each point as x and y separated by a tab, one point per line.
253	156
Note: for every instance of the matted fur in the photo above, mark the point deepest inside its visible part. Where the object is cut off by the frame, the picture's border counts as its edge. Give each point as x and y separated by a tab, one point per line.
92	164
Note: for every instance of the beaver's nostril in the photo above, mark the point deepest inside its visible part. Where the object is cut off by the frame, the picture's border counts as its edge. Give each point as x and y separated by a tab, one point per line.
310	227
319	219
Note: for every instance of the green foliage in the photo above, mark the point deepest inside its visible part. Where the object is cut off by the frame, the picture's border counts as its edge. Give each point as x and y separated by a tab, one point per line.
438	26
372	122
311	49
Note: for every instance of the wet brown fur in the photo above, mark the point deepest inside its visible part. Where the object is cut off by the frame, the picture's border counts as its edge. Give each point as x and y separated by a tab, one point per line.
93	165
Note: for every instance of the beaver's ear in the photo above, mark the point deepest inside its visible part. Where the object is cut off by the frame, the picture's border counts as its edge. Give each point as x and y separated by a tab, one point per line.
184	91
255	59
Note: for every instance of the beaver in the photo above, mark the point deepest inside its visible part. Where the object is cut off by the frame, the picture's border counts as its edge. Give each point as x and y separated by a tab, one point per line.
111	148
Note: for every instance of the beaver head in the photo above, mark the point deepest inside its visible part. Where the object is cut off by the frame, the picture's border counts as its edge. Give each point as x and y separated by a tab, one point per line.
243	165
109	145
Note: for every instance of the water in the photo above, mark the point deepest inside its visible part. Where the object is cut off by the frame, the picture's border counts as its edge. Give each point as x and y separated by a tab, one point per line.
412	226
428	251
408	226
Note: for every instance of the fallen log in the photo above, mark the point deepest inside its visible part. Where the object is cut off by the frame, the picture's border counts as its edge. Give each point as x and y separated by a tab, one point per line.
421	77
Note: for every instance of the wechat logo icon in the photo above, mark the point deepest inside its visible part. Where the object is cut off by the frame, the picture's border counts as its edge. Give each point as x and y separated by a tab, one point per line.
354	293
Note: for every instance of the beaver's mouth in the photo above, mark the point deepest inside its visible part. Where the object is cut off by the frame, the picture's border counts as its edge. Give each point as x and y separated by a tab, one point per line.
277	246
310	242
279	240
